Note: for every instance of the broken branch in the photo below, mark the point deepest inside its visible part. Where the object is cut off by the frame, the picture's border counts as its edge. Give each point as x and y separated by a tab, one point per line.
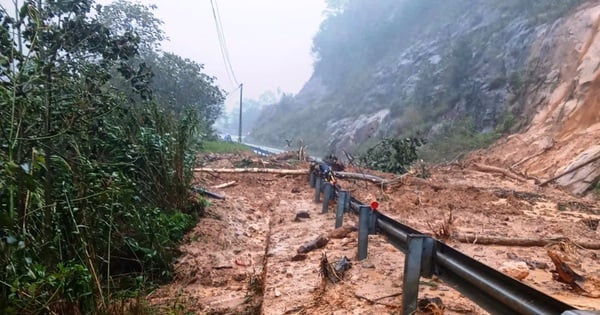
493	169
225	185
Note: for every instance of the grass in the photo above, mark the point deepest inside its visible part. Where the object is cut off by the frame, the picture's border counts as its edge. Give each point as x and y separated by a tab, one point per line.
223	147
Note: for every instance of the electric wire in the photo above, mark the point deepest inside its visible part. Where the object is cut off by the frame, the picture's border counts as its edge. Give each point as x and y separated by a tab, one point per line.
220	37
223	43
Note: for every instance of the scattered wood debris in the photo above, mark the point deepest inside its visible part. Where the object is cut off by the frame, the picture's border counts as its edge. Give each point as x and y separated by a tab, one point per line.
431	306
334	271
566	260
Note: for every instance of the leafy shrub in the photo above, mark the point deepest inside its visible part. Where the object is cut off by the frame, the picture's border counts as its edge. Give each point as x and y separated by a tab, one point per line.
94	185
392	155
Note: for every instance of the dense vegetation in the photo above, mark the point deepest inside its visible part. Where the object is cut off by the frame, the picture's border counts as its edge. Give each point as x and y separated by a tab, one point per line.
98	133
457	72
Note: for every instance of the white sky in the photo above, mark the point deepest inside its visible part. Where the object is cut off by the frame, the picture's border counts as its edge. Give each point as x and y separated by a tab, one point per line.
269	41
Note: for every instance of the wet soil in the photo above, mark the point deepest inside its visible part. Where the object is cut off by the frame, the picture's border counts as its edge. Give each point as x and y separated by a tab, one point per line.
242	258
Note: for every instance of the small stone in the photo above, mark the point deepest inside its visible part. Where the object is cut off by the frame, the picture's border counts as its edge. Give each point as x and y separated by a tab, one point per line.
368	265
301	215
516	269
277	293
296	190
299	257
239	277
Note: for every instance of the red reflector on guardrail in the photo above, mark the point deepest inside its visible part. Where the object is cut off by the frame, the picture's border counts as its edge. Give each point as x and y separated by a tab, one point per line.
374	205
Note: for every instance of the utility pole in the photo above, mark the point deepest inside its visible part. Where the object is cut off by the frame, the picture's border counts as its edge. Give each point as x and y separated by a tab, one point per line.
240	128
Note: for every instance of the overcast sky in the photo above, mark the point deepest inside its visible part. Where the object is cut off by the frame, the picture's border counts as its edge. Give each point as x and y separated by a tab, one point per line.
269	41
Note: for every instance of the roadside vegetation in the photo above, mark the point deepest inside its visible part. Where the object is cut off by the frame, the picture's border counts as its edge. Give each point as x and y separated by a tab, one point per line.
99	131
223	147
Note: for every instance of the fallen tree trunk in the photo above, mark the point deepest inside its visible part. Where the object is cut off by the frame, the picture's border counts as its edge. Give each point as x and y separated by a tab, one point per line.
521	242
252	170
493	169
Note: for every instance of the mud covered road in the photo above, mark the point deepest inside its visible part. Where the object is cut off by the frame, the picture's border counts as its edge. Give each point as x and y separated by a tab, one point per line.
240	258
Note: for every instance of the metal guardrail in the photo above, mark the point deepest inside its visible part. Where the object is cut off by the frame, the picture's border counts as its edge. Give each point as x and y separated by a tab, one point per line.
426	256
262	150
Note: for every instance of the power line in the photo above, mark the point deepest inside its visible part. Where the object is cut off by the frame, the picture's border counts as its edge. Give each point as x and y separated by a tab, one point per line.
223	43
235	89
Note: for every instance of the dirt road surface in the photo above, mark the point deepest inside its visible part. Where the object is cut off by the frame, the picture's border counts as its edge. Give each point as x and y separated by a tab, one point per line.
242	258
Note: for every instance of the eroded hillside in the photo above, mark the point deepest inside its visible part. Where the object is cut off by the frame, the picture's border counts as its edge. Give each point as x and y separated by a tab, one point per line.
464	79
566	105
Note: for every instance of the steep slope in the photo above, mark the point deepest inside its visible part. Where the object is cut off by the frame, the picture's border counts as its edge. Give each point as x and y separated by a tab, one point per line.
490	68
394	68
564	132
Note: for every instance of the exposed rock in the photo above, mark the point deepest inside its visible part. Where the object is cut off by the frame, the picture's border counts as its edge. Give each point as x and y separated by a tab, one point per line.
515	269
580	180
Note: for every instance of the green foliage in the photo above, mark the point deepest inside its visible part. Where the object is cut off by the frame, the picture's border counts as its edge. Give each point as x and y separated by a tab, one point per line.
456	139
223	147
94	183
392	155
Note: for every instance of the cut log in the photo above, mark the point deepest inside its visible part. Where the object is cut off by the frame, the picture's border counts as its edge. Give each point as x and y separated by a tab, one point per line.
252	170
319	242
493	169
521	242
225	185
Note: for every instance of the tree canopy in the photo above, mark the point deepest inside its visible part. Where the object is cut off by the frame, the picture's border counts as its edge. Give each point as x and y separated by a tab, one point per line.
99	130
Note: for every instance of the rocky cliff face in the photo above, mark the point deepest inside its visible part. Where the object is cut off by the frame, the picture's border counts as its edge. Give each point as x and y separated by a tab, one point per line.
483	60
564	133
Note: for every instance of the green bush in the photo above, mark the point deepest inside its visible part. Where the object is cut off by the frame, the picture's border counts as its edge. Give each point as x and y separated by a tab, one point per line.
392	155
94	181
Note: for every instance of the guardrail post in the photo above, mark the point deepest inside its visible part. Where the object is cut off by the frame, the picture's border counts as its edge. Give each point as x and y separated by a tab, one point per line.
372	221
417	263
312	179
342	204
364	222
318	183
327	196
